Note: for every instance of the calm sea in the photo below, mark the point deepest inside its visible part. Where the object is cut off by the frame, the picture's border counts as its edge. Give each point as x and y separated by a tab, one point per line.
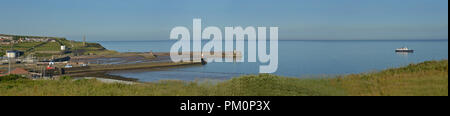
302	59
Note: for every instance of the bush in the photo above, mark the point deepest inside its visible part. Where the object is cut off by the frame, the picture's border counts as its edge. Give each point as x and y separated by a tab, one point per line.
65	78
11	78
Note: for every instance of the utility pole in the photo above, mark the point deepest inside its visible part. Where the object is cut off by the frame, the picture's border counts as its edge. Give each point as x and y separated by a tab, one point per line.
9	58
9	66
84	40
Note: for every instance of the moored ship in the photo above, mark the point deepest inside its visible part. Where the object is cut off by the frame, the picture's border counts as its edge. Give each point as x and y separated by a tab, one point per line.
404	49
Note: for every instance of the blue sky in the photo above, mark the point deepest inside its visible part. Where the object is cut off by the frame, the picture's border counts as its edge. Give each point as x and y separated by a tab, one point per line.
297	19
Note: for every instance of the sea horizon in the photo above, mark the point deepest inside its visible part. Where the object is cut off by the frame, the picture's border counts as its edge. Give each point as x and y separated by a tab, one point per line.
271	40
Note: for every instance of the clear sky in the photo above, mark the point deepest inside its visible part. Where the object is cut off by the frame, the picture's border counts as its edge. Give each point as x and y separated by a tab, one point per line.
297	19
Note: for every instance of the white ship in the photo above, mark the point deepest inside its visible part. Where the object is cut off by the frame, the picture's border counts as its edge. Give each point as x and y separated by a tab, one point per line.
404	49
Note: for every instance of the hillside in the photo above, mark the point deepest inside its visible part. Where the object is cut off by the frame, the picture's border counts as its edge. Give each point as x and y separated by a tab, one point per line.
46	46
423	79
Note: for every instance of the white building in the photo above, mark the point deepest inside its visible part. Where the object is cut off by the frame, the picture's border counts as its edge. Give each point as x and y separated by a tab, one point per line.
13	54
63	48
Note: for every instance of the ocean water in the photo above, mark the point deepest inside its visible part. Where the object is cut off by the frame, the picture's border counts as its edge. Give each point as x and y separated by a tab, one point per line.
301	59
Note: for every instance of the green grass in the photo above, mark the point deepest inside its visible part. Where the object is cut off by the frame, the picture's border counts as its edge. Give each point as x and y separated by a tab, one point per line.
428	78
20	46
49	46
89	48
424	79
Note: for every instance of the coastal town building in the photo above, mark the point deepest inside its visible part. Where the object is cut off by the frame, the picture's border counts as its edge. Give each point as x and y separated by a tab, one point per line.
13	53
4	43
8	39
63	48
5	40
3	72
15	71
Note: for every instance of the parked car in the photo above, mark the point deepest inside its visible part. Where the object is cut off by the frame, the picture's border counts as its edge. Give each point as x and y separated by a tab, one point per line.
68	66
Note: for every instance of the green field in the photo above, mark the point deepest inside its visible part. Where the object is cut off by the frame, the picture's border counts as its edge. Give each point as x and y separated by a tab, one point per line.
424	79
20	46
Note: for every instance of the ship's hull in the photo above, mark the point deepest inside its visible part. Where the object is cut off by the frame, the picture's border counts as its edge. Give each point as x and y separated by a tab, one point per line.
409	51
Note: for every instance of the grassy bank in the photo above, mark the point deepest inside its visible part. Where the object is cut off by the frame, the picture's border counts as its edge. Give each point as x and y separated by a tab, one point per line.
428	78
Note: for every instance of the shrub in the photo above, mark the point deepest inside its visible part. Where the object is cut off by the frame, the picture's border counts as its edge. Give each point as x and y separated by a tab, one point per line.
65	78
11	78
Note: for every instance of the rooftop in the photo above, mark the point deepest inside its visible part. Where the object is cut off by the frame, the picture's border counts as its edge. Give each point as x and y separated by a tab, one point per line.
17	71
